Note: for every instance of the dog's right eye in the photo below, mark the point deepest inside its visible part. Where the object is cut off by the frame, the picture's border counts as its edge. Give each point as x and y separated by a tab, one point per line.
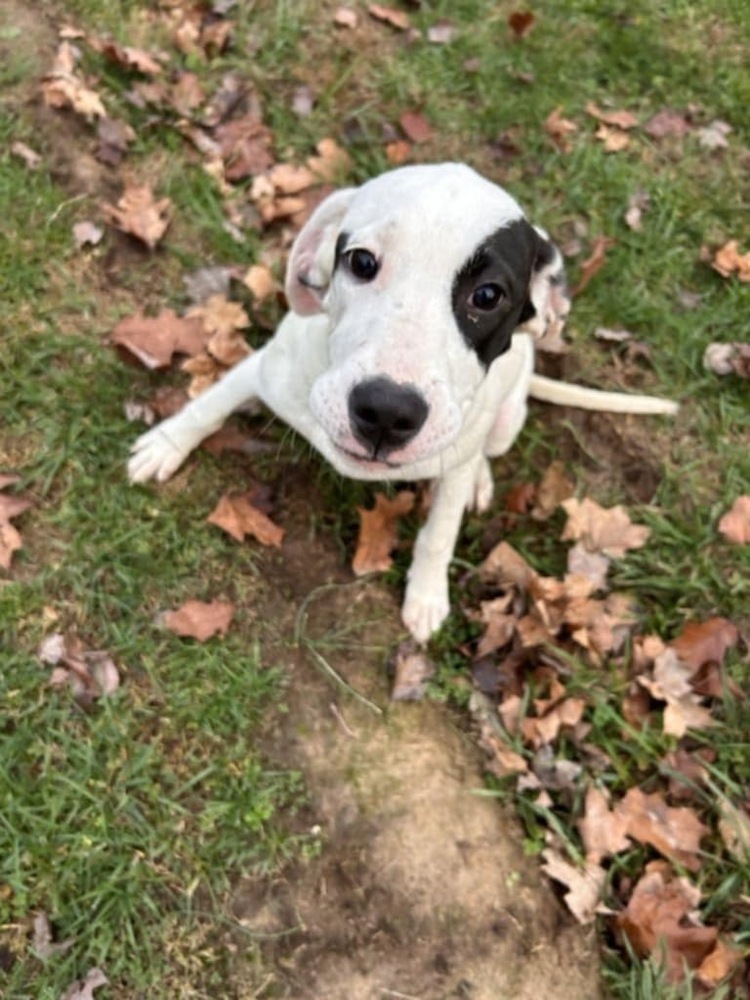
362	264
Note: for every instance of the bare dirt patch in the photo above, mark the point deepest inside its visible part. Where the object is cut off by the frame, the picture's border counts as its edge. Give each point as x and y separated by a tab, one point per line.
421	888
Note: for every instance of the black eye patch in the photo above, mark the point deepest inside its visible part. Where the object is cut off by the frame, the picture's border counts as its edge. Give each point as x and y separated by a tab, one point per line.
490	291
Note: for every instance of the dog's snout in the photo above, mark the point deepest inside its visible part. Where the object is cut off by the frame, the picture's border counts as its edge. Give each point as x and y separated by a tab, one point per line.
384	415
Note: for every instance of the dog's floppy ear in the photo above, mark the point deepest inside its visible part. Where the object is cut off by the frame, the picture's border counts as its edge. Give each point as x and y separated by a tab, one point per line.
549	302
312	259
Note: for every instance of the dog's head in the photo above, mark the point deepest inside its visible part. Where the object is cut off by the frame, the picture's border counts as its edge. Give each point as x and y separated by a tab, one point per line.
425	274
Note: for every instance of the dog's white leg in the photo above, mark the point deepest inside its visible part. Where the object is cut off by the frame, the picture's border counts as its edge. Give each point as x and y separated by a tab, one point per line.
161	451
426	603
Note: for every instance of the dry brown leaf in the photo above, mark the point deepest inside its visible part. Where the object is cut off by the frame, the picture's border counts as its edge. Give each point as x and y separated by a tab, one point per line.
603	831
500	626
735	524
704	642
521	22
638	203
245	145
503	565
624	120
668	122
559	128
593	566
345	17
552	490
657	922
734	829
728	261
61	88
674	832
584	885
154	340
389	15
199	619
83	989
719	964
10	507
261	282
220	315
332	161
30	157
730	358
187	93
238	516
398	152
602	529
412	669
416	127
89	674
140	214
671	682
378	533
613	140
204	370
594	262
86	233
714	135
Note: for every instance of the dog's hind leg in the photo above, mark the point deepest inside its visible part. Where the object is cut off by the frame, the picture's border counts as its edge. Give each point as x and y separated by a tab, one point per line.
426	603
162	450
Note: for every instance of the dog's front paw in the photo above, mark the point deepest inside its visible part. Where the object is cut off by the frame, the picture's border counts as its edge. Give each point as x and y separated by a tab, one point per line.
424	611
161	451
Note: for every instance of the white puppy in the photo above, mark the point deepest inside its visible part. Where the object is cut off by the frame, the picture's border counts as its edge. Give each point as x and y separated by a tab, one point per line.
408	352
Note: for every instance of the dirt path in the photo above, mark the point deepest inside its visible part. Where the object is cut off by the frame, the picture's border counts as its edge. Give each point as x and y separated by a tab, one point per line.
422	888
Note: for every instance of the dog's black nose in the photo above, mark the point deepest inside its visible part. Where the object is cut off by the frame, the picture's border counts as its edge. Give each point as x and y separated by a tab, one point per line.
384	415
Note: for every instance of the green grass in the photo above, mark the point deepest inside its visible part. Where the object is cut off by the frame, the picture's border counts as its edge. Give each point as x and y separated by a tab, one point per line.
128	824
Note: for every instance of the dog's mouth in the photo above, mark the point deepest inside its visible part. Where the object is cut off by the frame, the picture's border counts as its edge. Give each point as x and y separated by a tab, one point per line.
368	461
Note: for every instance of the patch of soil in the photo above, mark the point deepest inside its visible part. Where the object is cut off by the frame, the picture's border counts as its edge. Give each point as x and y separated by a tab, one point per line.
421	888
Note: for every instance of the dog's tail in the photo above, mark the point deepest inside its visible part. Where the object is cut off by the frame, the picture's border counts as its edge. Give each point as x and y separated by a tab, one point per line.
549	390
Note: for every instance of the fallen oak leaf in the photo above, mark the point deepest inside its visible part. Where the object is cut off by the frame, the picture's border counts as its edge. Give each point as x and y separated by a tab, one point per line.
154	340
624	120
735	524
199	619
668	122
378	533
676	832
415	126
707	641
584	885
554	488
657	921
140	214
603	831
238	516
601	529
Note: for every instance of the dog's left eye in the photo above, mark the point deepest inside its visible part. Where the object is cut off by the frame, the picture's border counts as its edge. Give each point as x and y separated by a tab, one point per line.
487	297
362	264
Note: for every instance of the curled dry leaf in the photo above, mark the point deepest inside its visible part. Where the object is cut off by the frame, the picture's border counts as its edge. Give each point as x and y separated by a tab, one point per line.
238	516
10	507
140	214
154	340
389	15
62	88
593	263
704	642
658	921
378	532
612	139
90	674
674	832
559	128
199	619
728	261
735	524
624	120
261	282
719	964
552	490
584	885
